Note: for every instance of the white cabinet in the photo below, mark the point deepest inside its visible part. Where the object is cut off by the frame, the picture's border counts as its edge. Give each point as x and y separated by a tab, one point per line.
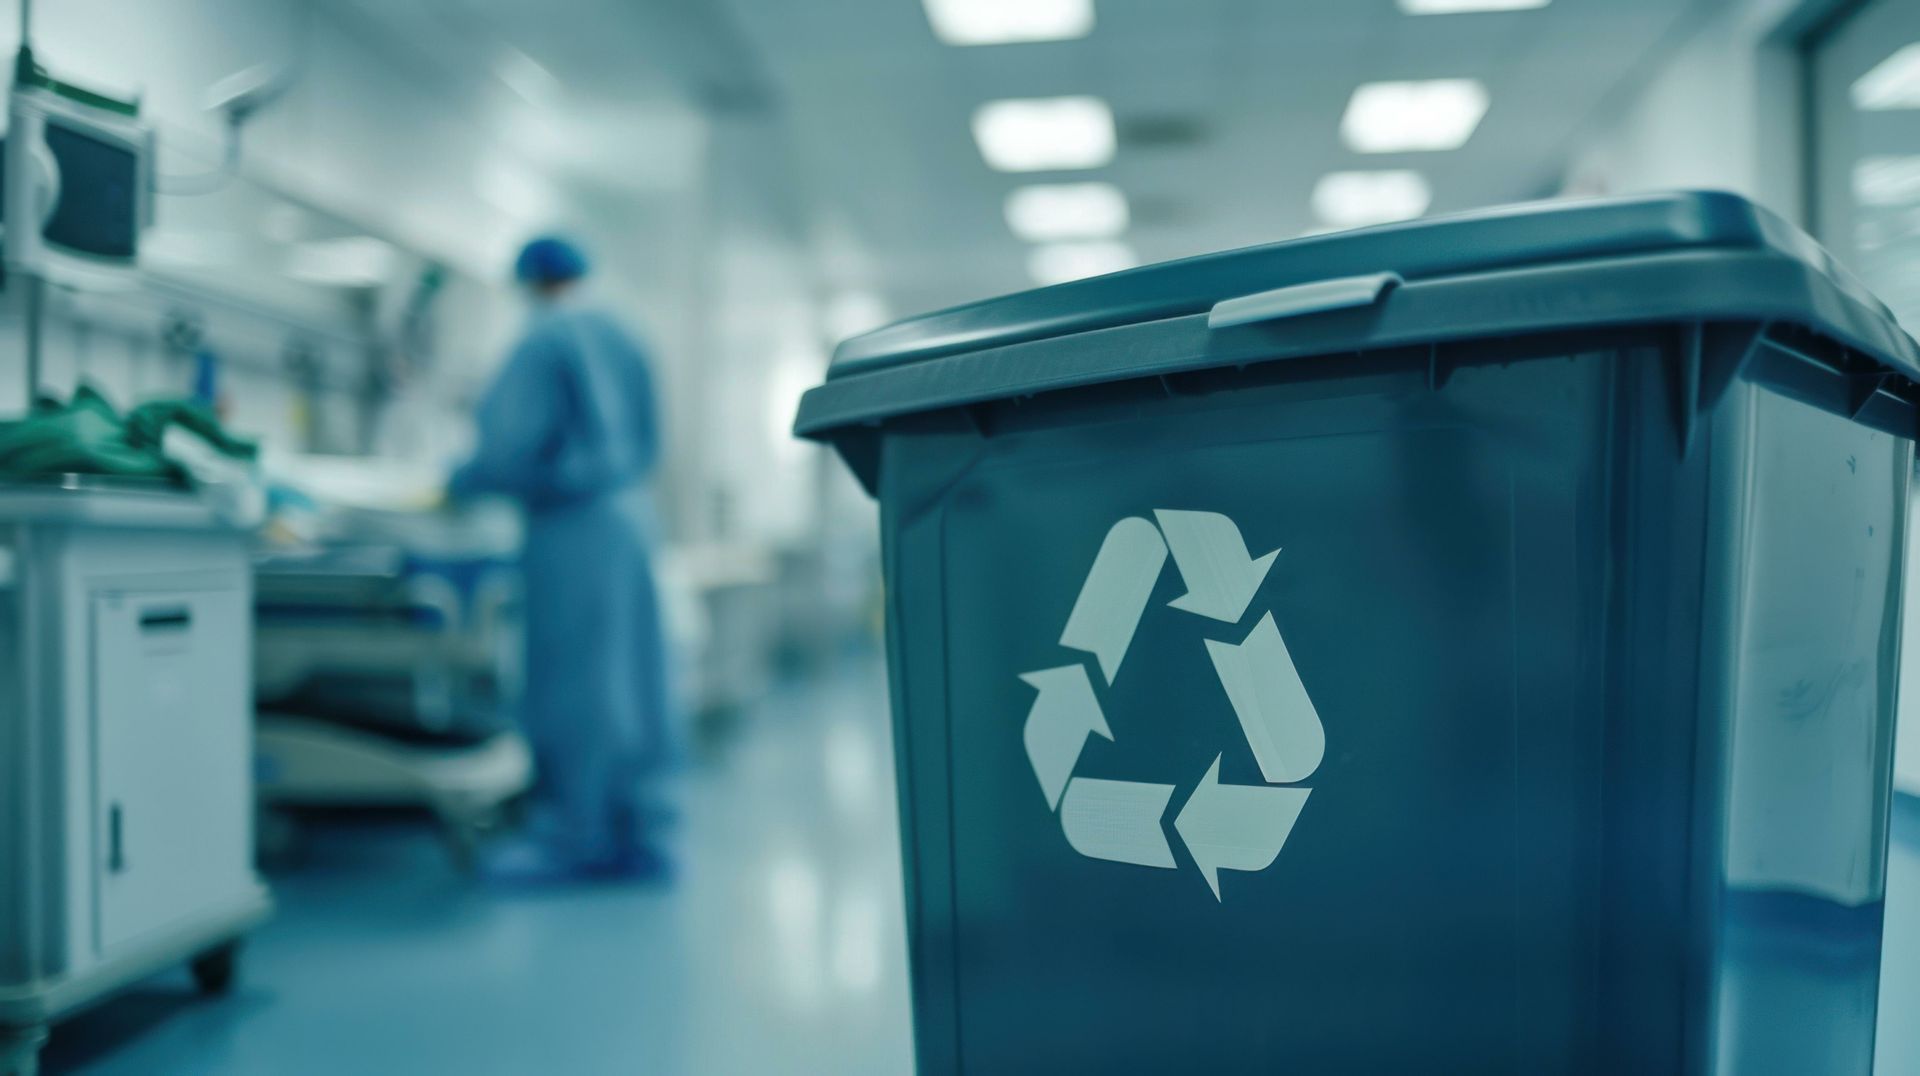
126	749
172	738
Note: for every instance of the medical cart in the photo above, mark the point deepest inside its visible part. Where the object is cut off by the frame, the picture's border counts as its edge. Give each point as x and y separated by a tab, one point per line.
126	798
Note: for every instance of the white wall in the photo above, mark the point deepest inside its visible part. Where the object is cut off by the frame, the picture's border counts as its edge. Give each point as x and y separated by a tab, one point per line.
699	249
363	139
396	131
1719	110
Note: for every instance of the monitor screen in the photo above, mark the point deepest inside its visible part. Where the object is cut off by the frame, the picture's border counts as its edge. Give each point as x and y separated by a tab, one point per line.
99	209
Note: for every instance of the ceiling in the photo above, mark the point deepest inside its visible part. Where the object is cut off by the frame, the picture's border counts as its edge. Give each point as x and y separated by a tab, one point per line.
1239	103
1228	109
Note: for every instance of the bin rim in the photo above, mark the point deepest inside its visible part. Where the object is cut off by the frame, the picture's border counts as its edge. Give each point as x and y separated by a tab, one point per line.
1763	269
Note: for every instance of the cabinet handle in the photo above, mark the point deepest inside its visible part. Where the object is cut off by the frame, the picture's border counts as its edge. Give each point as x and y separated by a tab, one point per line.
116	848
169	618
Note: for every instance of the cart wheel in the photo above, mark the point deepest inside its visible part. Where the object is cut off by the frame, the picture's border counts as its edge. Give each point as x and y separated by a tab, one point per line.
20	1050
215	970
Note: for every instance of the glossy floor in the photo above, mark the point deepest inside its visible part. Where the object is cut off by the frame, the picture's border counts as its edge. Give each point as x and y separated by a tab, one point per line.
777	950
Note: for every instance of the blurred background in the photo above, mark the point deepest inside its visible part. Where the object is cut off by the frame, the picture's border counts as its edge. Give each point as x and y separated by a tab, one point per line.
327	265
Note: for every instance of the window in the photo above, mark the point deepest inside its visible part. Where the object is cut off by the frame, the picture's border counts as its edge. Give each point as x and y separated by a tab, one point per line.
1866	127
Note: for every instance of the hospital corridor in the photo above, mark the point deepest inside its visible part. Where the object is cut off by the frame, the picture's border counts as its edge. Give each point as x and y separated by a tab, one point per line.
873	537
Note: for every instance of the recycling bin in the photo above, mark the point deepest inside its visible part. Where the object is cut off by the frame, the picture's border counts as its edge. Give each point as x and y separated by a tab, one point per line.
1466	645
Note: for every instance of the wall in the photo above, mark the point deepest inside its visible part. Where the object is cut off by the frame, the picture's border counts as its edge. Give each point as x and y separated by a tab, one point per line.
386	133
361	144
1717	109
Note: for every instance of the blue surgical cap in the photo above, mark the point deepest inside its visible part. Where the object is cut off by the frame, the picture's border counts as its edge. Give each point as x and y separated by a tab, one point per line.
549	260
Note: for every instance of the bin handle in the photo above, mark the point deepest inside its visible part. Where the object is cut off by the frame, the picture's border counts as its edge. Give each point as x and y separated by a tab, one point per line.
1339	293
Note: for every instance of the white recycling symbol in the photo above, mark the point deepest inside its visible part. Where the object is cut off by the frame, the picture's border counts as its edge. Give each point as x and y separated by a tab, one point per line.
1225	827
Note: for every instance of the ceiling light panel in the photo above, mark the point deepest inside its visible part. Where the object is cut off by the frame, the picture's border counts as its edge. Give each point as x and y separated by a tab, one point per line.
1045	133
1887	180
1054	211
1007	22
1356	199
1467	7
1401	117
1892	83
1057	263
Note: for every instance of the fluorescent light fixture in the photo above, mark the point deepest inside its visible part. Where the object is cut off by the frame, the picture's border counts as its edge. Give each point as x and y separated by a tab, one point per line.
1355	199
1893	83
354	262
1057	263
1006	22
1399	117
1044	133
1887	181
1052	212
1467	7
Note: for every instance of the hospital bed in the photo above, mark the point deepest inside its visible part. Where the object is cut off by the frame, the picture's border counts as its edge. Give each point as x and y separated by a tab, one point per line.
385	668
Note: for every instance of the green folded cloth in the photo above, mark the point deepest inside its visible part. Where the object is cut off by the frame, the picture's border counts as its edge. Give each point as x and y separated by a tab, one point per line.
147	425
87	436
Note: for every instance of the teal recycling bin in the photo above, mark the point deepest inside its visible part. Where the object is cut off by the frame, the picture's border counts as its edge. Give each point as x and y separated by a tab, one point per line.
1465	645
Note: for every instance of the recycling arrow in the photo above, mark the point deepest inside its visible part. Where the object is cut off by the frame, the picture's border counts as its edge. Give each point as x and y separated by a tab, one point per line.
1117	821
1064	714
1225	827
1236	827
1118	586
1278	718
1221	577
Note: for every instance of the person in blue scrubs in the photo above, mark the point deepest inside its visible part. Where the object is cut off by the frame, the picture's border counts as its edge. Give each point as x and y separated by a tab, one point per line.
569	430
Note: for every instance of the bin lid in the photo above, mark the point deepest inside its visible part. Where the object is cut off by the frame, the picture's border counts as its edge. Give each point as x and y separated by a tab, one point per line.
1721	256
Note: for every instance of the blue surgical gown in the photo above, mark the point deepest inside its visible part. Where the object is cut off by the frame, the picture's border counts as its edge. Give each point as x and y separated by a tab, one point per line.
570	430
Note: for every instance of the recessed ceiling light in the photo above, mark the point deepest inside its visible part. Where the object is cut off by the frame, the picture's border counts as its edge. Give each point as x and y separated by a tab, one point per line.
1005	22
1893	83
1887	181
1054	211
1354	199
1397	117
1466	7
1044	133
1057	263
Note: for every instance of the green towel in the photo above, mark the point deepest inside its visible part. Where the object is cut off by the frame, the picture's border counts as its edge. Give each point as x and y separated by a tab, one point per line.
87	436
147	426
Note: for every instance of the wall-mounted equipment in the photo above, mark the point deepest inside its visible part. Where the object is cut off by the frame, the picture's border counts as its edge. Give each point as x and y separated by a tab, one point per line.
78	172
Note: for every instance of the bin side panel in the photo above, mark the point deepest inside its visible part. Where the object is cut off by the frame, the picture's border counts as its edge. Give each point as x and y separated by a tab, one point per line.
1438	590
17	872
1814	563
923	458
